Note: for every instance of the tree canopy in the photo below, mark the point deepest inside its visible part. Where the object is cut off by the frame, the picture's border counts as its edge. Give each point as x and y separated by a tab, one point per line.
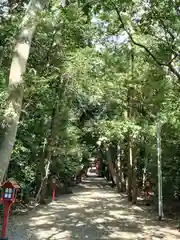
99	76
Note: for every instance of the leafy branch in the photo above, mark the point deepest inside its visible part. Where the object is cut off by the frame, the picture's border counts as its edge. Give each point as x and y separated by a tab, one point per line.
169	64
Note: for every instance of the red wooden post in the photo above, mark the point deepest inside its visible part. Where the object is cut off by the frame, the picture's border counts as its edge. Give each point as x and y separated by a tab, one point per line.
53	189
7	207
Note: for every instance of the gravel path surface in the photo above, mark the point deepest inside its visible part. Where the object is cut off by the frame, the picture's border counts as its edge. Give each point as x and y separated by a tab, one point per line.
92	212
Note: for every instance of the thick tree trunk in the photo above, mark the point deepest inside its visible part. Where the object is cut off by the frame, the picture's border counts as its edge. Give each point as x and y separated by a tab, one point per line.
43	187
18	68
114	173
80	172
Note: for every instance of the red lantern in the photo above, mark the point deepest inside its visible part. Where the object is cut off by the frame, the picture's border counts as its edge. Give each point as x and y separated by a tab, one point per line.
10	193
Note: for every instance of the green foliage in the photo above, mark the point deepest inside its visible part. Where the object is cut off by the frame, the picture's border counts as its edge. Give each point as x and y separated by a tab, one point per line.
84	65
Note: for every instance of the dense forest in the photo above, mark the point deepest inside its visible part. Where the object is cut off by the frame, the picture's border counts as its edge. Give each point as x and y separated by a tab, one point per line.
83	79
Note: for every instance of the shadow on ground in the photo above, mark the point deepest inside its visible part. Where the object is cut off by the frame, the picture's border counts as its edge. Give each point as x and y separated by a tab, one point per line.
95	212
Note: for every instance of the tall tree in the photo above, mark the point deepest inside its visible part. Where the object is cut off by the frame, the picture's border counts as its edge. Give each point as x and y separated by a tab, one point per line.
18	68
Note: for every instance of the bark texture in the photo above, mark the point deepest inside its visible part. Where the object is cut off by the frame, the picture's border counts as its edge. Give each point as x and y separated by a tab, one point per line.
114	174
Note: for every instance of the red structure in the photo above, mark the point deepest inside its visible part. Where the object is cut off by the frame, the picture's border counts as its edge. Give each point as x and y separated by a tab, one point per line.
53	189
10	194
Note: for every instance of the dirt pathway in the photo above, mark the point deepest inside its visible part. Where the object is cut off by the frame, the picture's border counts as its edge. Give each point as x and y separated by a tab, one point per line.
93	212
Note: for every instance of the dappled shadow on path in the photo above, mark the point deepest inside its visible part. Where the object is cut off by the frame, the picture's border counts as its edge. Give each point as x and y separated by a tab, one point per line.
96	212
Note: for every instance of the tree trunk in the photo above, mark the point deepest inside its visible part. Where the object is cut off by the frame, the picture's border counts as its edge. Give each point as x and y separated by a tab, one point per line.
128	148
120	167
146	156
144	172
47	161
134	174
40	170
40	197
18	68
43	189
1	55
132	163
52	138
114	174
129	170
132	116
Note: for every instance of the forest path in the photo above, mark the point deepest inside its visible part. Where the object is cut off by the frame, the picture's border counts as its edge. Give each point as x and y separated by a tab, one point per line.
93	212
